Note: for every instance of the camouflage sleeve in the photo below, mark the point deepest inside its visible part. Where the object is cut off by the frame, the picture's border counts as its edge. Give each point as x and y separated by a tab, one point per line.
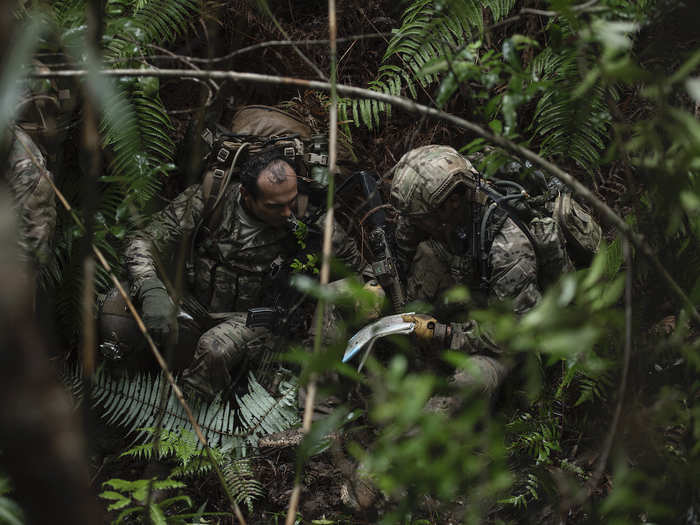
468	337
407	238
172	224
33	196
513	269
345	249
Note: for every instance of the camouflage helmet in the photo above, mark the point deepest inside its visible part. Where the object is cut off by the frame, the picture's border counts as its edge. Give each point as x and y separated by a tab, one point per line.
425	176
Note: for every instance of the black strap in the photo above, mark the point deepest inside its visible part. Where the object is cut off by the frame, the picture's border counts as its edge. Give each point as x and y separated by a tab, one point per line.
500	201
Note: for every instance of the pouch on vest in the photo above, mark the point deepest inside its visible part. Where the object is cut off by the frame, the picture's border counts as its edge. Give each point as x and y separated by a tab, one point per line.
582	232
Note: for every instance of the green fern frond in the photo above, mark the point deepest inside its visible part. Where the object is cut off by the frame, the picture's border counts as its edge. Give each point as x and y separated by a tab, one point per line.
501	8
429	31
132	25
134	403
570	126
528	491
261	414
241	481
182	446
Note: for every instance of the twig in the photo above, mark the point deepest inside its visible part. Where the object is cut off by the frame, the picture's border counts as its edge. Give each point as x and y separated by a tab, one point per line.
327	247
413	107
189	62
298	51
199	60
581	8
142	327
284	43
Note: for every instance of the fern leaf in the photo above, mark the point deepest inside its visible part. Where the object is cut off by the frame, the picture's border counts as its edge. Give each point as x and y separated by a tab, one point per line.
241	482
575	127
133	402
428	31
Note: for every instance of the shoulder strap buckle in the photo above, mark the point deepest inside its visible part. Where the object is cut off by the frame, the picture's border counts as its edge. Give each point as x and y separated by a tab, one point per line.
223	155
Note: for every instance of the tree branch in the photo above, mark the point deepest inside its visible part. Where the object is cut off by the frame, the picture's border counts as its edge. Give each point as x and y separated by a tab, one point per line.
327	249
413	107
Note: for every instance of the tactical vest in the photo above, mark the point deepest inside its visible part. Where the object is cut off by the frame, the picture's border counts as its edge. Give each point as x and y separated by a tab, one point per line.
228	269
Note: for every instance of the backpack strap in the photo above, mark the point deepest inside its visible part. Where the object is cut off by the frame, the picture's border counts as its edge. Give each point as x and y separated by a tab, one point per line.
216	182
484	238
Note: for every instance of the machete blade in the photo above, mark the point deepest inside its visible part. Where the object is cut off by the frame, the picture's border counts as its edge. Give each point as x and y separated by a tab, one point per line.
389	325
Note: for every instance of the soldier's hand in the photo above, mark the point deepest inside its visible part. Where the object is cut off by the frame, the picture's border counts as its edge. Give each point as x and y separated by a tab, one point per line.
159	313
371	305
427	329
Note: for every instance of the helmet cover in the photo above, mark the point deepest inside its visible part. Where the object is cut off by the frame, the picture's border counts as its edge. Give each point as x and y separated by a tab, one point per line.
425	176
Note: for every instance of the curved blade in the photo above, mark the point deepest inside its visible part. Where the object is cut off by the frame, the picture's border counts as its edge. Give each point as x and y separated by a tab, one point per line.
389	325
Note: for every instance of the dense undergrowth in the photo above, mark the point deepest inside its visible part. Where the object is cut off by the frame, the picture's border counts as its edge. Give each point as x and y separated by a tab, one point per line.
599	420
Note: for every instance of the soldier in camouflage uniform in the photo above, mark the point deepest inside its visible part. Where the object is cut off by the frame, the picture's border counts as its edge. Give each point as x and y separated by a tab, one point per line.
33	197
231	261
434	191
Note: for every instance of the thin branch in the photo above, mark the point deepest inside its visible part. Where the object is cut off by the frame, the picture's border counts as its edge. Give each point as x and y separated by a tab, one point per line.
199	60
189	62
285	43
587	7
298	51
413	107
327	248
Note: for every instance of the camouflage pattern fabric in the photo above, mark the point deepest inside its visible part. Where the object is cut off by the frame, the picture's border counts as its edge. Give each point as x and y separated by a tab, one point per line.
552	256
229	348
423	178
229	270
230	264
433	269
224	350
33	197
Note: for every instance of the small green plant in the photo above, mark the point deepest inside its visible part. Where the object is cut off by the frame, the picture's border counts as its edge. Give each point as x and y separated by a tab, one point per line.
310	266
192	461
301	231
131	497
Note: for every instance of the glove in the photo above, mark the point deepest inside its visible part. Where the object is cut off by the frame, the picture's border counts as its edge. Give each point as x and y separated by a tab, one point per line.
158	311
371	305
427	328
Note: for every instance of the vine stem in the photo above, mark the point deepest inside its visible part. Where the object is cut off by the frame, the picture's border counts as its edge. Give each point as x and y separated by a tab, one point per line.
142	327
327	249
413	107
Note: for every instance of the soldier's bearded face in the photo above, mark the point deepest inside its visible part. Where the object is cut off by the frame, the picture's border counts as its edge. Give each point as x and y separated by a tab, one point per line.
277	197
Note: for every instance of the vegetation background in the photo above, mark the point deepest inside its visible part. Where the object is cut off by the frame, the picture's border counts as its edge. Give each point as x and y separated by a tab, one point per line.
600	421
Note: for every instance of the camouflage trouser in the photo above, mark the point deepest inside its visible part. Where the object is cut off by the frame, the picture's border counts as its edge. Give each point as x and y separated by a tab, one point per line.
224	350
228	349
